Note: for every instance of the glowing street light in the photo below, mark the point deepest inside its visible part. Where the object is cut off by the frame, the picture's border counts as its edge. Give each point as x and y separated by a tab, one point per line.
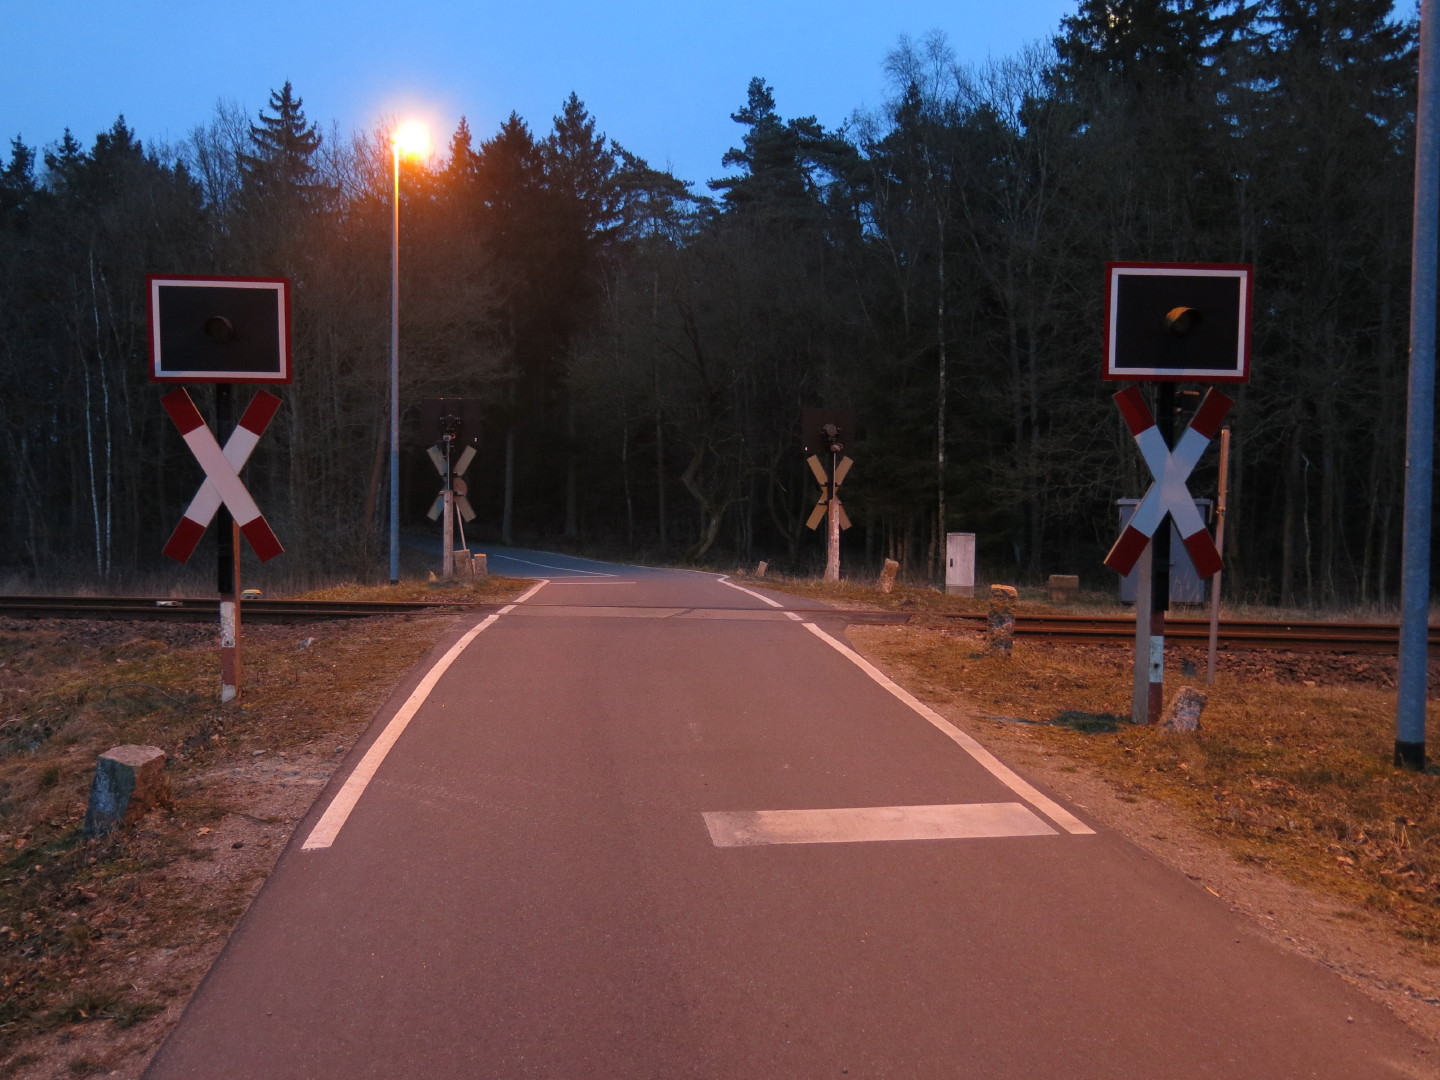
411	140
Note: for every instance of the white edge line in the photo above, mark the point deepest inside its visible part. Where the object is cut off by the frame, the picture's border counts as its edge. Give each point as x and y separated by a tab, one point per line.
338	812
763	599
1002	772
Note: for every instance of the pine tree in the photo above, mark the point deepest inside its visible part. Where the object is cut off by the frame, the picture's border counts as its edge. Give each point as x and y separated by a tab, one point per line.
279	177
17	185
790	166
580	168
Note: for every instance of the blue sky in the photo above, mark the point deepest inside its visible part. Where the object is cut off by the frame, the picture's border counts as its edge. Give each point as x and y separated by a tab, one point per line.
660	77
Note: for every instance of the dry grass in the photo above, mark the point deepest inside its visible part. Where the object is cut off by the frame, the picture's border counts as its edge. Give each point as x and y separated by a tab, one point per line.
1291	771
489	588
109	933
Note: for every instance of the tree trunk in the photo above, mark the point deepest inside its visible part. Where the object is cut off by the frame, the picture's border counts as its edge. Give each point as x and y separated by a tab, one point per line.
507	514
572	468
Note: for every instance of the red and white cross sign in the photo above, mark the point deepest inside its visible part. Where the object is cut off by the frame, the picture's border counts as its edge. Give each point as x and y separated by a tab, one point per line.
222	475
1169	494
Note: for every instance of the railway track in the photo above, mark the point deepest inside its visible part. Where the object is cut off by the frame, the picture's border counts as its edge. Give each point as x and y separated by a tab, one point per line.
1235	634
203	609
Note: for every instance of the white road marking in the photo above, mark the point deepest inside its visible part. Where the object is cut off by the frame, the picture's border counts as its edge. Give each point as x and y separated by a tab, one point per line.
763	599
960	821
338	812
590	611
1002	772
547	566
571	611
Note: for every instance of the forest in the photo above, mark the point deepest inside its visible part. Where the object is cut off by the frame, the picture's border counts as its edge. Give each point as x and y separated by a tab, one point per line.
643	345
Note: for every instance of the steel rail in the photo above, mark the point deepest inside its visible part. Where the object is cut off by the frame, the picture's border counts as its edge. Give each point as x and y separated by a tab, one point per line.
1287	635
1279	635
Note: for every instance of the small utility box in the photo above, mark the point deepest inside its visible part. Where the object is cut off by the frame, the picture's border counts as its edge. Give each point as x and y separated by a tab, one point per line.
1186	585
960	564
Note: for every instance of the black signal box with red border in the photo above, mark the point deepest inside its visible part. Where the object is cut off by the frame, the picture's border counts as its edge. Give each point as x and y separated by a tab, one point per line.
219	330
1178	322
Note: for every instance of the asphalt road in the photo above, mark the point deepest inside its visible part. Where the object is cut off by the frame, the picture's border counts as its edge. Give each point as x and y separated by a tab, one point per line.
631	832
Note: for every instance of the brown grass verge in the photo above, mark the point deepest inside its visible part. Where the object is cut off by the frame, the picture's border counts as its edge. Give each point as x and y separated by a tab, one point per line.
102	940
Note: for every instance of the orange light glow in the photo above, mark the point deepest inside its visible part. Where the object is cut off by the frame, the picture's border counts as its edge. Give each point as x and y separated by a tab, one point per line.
412	139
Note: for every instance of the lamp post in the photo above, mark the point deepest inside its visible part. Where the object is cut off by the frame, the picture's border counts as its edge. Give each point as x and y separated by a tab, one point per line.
409	140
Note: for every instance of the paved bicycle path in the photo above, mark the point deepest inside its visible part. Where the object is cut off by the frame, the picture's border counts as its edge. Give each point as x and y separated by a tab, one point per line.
645	825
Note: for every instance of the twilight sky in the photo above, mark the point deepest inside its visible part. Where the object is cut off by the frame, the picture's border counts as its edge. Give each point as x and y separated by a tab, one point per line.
661	78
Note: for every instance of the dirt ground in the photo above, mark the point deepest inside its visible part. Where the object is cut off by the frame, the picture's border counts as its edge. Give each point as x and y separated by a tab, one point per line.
149	910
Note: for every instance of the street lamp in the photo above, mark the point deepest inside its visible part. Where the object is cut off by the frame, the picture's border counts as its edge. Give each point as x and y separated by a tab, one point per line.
409	140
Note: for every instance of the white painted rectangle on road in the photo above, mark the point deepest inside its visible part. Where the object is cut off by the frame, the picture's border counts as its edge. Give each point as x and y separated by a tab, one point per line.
572	611
959	821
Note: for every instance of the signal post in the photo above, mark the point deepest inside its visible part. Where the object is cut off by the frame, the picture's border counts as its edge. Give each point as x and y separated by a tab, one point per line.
1167	323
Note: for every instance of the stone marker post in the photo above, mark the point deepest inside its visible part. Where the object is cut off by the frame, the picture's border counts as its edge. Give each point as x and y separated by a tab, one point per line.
1000	632
887	575
129	781
1185	710
1063	587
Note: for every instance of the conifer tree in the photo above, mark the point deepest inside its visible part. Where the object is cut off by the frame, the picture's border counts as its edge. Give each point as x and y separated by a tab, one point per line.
279	178
790	166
